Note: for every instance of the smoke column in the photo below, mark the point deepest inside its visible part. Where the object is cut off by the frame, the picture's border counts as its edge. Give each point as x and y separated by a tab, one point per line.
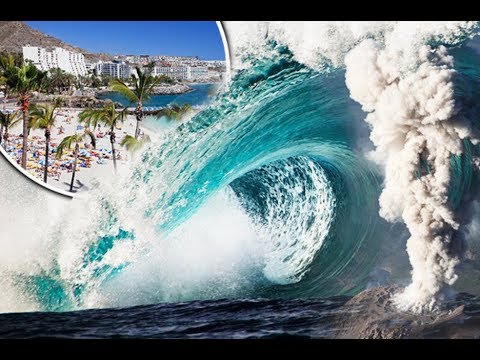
406	87
415	130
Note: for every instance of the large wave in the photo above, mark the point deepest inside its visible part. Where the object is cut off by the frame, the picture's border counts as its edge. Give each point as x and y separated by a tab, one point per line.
273	190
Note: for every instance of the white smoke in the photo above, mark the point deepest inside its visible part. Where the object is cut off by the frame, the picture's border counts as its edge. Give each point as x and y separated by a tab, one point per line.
406	87
412	118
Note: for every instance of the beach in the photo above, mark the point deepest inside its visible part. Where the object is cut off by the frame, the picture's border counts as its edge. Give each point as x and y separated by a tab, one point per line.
93	163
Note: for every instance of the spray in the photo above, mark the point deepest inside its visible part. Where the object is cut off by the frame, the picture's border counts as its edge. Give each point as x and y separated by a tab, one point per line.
415	129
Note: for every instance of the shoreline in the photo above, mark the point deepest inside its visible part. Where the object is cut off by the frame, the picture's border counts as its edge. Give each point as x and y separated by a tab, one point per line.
162	89
93	164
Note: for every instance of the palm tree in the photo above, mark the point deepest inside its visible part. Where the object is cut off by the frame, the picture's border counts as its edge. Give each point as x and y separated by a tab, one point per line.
174	111
6	62
95	82
132	144
7	121
143	87
107	116
67	143
60	80
59	102
43	117
23	80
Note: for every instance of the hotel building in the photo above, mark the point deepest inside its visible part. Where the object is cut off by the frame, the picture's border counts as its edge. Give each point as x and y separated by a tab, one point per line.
182	72
115	69
44	59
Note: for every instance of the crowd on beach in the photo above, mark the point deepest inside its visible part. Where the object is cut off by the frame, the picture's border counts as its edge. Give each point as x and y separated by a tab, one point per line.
67	124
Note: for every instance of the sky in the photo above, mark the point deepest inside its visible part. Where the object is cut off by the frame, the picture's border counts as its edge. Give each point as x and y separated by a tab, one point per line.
182	38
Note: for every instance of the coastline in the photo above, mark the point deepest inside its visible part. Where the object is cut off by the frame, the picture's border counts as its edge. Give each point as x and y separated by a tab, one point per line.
93	166
163	89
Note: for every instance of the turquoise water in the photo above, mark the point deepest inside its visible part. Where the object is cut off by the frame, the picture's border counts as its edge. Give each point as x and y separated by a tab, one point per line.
265	193
201	94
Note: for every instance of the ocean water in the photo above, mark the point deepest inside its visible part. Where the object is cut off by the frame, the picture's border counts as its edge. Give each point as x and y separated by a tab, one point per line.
201	94
258	217
237	319
289	319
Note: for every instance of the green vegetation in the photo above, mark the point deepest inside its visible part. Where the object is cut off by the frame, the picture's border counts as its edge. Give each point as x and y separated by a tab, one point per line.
58	80
7	61
109	117
143	87
23	81
43	117
7	121
67	143
174	111
164	79
16	58
133	144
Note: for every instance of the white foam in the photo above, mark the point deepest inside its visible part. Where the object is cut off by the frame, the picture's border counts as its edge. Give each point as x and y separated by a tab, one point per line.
406	88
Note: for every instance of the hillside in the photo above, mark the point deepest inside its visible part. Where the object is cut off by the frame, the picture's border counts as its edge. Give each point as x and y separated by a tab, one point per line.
16	34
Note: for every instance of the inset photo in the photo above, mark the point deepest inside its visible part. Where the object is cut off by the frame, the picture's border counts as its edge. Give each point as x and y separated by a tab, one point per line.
78	99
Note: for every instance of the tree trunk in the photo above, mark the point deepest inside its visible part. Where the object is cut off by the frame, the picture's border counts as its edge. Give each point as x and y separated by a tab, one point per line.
24	107
112	142
5	99
77	149
47	149
1	134
139	117
5	137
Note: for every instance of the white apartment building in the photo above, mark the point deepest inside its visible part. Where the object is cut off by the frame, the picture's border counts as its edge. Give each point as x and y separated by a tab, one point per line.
182	72
174	72
90	67
113	69
197	72
44	59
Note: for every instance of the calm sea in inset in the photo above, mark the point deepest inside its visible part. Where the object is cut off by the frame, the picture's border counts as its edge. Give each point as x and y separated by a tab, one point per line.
199	96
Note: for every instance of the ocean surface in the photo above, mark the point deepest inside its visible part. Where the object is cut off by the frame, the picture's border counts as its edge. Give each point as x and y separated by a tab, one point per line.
231	319
259	217
237	319
200	95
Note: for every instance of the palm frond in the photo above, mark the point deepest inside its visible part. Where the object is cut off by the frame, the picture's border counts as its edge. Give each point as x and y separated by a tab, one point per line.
132	144
165	112
10	120
123	89
23	79
66	143
90	117
108	115
6	61
174	111
91	136
42	116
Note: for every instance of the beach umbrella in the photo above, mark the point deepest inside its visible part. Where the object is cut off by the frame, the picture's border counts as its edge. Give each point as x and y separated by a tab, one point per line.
42	162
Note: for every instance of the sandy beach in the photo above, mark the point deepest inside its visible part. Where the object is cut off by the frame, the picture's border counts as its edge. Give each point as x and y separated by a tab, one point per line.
92	164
